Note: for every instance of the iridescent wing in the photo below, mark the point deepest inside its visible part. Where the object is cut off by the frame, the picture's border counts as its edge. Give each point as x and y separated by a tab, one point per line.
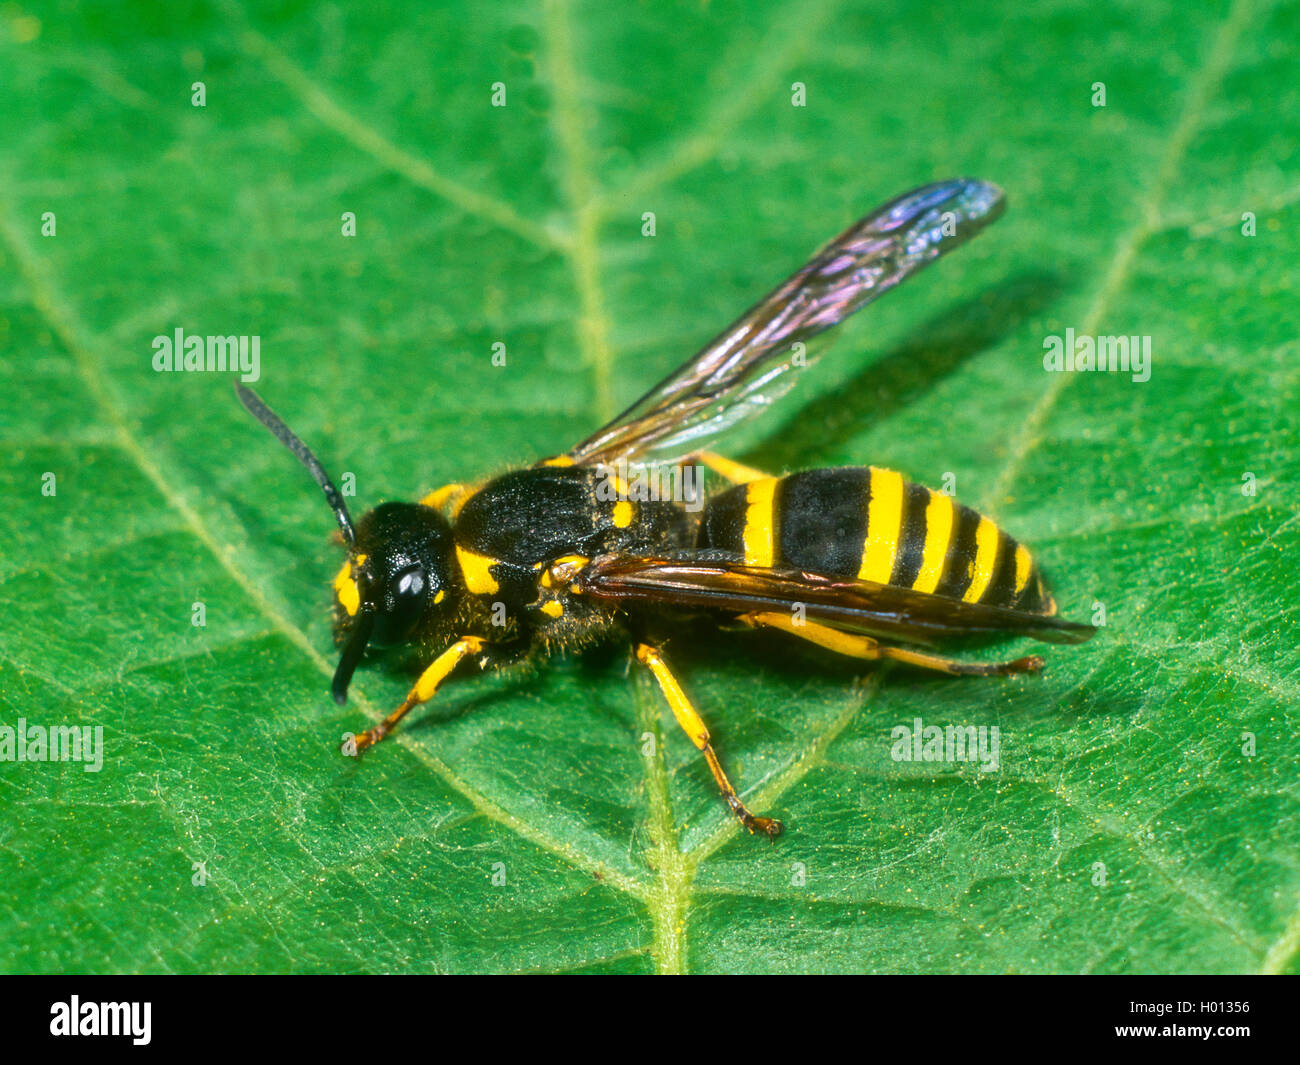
750	364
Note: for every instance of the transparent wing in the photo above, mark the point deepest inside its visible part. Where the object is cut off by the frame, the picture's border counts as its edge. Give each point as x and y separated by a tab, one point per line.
743	370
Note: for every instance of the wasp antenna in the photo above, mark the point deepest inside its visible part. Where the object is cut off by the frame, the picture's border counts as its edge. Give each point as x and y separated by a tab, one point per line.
275	424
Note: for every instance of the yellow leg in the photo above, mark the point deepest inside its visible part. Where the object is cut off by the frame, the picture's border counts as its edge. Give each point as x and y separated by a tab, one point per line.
845	643
691	724
423	691
735	472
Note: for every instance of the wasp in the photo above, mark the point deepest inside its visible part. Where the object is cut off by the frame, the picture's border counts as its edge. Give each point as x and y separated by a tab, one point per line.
856	560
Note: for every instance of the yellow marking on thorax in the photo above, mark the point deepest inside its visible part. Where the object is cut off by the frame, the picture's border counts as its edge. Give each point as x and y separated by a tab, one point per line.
622	490
986	554
760	547
439	496
562	569
553	609
345	587
458	504
558	460
884	524
1023	565
478	575
938	534
622	516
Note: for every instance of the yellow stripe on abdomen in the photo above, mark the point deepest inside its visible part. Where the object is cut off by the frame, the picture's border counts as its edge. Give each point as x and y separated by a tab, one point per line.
938	534
1024	565
986	555
884	523
759	538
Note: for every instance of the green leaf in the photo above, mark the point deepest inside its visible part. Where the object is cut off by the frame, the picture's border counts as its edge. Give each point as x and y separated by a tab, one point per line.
1144	813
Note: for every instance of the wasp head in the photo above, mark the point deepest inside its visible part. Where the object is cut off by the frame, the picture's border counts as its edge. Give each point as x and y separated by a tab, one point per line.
399	571
399	579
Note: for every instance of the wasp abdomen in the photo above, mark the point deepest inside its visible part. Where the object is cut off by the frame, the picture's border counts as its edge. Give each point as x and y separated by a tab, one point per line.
870	523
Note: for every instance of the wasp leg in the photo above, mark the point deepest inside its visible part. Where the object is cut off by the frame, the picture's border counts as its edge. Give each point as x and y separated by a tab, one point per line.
953	667
691	724
845	643
423	691
735	472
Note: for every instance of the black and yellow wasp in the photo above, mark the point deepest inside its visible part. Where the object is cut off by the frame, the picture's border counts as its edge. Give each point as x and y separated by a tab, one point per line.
856	560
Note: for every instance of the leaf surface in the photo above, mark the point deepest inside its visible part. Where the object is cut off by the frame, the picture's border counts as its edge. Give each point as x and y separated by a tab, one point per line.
515	824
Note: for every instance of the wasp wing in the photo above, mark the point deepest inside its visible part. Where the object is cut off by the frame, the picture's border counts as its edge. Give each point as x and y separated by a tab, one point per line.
749	364
842	602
